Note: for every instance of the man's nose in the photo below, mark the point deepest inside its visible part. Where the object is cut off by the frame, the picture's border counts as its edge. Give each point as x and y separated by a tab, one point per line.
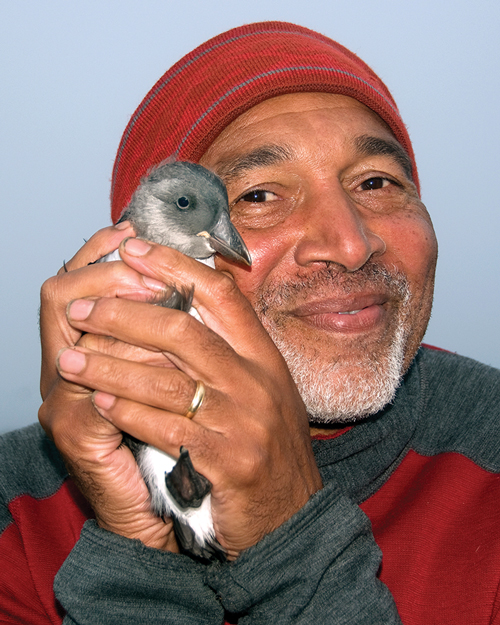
335	230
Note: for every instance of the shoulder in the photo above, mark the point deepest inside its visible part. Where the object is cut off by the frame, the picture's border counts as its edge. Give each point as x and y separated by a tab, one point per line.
443	363
457	382
461	408
30	464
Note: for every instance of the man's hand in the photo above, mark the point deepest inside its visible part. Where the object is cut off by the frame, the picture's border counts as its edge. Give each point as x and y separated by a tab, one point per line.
250	437
104	469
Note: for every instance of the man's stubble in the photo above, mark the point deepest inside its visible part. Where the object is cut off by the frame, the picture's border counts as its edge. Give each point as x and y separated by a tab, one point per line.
351	383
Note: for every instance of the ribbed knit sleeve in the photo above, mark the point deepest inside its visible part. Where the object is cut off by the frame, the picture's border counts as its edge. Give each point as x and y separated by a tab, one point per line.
319	567
108	579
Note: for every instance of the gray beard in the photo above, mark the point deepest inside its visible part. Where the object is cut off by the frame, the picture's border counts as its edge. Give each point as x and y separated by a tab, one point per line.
343	390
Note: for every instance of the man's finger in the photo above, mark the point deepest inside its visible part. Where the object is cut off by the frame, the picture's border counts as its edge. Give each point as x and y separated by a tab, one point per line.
216	296
193	347
126	351
101	243
163	388
112	279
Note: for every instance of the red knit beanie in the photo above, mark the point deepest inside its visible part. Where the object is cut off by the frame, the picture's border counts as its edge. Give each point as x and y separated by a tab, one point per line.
210	87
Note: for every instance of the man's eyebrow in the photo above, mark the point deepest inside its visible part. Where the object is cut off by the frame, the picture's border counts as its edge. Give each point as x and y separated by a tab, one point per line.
263	156
373	146
274	154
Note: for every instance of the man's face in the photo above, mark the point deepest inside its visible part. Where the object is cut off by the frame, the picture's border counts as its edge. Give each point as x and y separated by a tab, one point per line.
343	250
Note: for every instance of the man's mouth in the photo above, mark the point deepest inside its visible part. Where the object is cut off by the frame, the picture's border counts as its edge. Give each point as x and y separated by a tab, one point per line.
361	313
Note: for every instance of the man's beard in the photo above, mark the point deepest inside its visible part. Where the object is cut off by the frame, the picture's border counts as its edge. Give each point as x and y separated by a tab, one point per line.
345	388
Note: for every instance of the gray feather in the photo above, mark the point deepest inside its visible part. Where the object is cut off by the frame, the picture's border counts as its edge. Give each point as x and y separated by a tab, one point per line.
158	215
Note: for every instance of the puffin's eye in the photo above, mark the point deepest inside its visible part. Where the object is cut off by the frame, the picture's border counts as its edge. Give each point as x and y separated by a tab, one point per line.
183	202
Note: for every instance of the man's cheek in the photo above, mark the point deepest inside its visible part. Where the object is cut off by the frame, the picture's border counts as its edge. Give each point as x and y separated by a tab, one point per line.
411	245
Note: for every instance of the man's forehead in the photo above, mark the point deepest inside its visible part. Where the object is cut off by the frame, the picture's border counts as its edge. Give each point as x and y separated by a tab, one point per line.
297	102
231	159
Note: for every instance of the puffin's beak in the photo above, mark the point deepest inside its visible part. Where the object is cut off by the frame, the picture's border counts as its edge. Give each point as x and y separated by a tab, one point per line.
225	239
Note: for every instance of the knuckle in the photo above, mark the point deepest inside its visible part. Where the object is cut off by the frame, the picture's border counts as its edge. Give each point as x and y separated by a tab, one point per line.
173	385
49	289
116	271
127	412
58	431
108	368
178	324
109	313
107	310
116	274
56	424
172	259
249	464
175	432
96	342
262	434
44	417
226	288
106	345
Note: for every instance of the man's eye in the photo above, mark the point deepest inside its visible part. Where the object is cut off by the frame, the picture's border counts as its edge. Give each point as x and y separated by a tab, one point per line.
372	184
257	196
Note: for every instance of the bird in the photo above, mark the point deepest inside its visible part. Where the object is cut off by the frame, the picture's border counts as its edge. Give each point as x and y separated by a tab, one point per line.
184	206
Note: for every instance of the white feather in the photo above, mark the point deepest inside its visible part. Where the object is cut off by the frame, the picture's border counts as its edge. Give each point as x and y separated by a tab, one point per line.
154	465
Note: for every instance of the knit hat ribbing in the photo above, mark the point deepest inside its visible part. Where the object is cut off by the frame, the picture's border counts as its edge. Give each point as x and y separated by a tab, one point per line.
210	87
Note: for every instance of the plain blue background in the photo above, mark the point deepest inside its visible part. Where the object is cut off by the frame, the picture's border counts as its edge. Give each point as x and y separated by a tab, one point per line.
73	72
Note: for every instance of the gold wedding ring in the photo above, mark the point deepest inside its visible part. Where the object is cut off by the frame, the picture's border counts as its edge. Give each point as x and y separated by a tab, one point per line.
199	395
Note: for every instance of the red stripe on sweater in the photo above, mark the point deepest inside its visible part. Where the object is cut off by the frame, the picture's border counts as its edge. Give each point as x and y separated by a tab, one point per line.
436	521
44	532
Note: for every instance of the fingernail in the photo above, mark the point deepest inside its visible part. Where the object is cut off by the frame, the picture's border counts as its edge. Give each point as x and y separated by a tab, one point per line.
154	285
103	400
71	361
122	225
80	309
136	247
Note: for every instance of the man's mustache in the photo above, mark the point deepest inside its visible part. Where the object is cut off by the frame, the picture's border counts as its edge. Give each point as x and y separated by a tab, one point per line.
372	277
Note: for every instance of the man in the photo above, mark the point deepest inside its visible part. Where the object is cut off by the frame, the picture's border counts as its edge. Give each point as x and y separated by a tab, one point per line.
394	517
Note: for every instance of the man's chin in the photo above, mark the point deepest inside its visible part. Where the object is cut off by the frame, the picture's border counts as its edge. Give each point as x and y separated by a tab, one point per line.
352	400
349	388
349	396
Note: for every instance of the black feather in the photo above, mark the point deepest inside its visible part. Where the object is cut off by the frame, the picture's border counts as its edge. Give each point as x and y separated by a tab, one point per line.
185	484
